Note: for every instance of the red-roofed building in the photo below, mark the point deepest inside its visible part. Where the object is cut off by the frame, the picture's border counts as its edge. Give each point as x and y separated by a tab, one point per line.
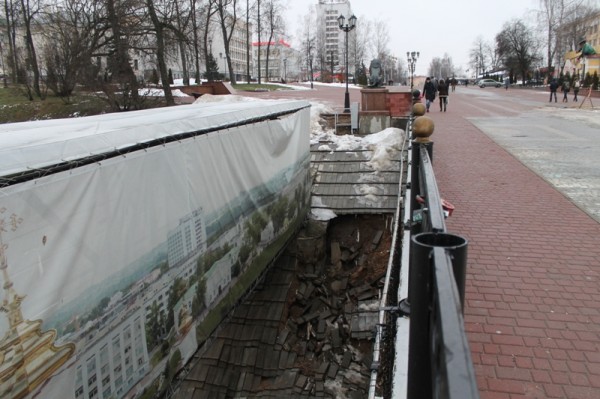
283	61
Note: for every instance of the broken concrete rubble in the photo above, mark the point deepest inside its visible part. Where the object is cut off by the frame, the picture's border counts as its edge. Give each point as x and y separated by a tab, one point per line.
311	339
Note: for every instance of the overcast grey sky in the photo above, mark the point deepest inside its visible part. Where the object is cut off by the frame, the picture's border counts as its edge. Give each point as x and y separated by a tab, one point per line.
431	27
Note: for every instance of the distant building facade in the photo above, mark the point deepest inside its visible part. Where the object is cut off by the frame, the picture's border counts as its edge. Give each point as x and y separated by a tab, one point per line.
570	35
283	62
331	35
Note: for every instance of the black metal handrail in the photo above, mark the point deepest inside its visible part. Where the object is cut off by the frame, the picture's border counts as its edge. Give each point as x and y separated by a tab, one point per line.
439	360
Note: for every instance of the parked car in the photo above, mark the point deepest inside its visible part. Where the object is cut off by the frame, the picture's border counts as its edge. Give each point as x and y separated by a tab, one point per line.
488	82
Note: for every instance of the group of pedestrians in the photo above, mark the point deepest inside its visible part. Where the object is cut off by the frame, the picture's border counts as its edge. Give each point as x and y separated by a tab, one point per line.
440	88
565	88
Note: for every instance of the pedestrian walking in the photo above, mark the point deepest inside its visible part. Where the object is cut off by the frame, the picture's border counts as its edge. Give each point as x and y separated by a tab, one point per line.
565	89
443	94
575	90
453	83
429	93
553	88
506	83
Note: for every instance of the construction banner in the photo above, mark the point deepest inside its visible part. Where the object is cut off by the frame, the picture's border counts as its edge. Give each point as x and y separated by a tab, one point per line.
125	240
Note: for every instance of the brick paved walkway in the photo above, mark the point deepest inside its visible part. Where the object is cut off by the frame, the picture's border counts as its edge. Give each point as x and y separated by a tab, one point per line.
533	297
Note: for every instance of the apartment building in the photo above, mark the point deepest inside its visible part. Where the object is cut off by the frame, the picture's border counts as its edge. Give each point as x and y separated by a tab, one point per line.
330	33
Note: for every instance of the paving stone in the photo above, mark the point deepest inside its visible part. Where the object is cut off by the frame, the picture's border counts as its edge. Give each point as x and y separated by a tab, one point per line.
359	290
214	351
321	371
300	383
336	340
347	359
372	293
250	357
282	337
321	329
319	389
377	238
283	357
332	371
269	336
288	379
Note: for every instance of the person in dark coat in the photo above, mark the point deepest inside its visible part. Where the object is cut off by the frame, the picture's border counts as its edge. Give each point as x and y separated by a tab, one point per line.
429	93
575	90
553	88
453	83
565	89
443	93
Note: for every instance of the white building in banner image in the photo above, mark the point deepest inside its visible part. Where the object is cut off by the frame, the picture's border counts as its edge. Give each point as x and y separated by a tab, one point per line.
188	238
115	363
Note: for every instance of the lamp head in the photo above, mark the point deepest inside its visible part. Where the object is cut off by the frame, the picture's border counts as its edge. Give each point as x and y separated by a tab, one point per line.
352	21
341	20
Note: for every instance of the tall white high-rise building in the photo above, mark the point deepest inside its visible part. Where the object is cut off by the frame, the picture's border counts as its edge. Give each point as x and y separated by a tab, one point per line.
329	31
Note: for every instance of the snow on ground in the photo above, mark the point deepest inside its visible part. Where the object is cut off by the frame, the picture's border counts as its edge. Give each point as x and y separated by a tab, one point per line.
590	117
155	92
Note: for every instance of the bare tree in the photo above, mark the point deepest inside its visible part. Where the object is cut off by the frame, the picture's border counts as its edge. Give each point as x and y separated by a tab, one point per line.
308	35
248	41
517	47
209	10
381	39
552	15
479	55
180	27
227	12
359	42
441	68
123	19
196	42
274	24
11	10
74	30
29	10
159	31
258	31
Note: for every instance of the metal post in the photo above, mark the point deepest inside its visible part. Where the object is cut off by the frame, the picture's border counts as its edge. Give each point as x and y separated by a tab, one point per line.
415	179
419	371
347	28
422	284
347	94
412	57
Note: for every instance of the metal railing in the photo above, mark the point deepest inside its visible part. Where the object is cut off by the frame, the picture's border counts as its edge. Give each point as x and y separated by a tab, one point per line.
439	359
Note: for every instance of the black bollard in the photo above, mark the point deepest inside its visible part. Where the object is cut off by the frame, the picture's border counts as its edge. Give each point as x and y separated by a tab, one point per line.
421	284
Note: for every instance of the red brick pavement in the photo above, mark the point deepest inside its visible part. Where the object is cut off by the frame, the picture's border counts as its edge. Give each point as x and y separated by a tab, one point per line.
533	300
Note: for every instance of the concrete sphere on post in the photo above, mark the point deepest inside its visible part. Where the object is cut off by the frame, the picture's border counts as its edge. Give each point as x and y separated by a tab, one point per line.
423	127
418	109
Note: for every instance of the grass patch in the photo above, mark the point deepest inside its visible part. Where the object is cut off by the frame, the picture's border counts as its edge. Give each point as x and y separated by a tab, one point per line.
16	107
259	87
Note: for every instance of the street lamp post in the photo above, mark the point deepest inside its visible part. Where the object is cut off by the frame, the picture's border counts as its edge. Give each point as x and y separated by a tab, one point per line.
412	57
347	28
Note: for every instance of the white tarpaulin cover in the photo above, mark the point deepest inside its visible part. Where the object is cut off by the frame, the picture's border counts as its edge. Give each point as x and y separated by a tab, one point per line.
30	145
115	271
